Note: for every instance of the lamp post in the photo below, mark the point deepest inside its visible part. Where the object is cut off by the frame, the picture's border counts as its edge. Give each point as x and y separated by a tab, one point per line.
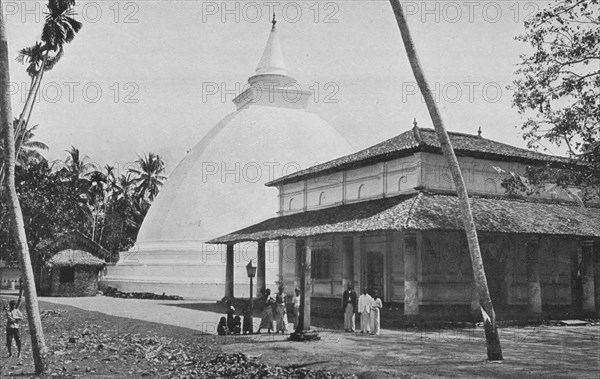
251	271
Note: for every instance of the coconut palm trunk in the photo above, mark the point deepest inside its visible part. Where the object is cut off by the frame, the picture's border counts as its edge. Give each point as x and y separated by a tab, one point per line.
494	351
22	121
6	122
38	84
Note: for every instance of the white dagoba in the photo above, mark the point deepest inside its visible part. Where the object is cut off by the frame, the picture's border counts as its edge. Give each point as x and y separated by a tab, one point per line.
219	188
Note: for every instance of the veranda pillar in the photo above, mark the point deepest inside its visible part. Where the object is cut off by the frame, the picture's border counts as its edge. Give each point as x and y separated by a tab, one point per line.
261	269
229	272
534	290
347	261
305	287
356	261
411	283
587	276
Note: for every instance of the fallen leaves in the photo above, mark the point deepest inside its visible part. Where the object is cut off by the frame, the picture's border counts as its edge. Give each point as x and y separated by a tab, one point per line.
82	344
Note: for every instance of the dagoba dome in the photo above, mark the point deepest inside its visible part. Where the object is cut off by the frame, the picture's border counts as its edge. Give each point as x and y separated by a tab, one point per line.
219	187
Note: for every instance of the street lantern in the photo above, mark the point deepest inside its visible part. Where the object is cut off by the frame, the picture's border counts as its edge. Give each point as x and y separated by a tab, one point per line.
251	271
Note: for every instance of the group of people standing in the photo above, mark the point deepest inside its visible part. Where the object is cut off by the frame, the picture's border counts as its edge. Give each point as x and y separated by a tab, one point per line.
274	314
274	310
367	306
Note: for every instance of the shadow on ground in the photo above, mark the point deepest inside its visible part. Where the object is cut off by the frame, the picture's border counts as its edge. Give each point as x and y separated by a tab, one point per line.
213	307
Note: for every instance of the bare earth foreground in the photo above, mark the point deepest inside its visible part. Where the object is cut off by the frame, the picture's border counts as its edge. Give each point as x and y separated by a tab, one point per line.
109	337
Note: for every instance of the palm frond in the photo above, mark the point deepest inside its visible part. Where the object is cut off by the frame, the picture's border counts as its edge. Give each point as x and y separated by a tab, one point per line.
36	145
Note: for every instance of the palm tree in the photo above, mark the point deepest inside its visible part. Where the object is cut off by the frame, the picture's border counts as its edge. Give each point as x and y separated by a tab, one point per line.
38	345
76	170
98	185
494	351
59	28
29	148
34	56
76	167
148	178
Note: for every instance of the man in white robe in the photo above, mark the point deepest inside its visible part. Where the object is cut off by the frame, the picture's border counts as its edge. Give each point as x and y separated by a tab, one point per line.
376	306
364	308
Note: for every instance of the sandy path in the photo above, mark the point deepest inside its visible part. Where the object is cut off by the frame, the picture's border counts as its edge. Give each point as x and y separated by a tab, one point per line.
165	312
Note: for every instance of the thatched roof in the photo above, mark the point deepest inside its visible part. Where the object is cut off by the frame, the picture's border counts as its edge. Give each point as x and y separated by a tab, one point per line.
422	139
70	258
428	211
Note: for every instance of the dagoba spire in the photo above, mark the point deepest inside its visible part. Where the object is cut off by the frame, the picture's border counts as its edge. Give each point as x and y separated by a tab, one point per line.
272	62
271	85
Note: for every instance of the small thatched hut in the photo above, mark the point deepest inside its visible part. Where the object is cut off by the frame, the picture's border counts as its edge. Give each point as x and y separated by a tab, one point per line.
74	273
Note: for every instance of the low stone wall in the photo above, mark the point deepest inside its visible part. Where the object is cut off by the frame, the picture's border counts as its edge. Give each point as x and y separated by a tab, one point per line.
85	283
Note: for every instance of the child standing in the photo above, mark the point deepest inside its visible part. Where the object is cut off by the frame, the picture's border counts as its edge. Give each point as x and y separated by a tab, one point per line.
13	327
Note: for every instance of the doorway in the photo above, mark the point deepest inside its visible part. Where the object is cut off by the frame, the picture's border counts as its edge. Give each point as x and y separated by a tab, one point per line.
375	273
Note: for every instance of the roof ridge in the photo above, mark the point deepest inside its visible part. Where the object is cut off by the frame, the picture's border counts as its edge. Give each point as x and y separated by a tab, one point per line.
417	134
413	208
431	130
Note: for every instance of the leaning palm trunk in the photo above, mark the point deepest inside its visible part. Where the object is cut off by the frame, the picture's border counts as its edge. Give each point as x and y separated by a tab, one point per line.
494	351
40	76
23	120
6	122
29	104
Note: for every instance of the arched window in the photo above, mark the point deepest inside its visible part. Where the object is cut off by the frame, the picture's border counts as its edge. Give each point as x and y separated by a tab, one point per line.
401	181
322	198
291	204
361	191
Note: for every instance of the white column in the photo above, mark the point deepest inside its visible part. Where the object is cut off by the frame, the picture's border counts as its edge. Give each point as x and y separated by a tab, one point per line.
411	283
534	289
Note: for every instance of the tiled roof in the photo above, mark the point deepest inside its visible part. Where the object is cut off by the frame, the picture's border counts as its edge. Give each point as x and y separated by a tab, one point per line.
422	139
427	211
69	258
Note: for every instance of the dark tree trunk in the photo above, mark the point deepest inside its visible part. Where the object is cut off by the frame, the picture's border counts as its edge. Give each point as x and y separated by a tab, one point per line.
38	345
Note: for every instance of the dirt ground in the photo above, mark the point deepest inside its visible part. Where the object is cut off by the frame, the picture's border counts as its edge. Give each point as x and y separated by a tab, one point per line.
130	350
531	352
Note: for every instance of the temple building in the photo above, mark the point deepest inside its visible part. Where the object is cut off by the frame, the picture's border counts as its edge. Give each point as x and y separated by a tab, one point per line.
219	187
387	218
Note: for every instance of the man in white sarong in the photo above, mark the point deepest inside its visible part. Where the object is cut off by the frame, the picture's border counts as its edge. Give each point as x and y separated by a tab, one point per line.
364	308
376	306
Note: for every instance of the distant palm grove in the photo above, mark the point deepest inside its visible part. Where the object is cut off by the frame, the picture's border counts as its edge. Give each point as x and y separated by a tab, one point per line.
75	194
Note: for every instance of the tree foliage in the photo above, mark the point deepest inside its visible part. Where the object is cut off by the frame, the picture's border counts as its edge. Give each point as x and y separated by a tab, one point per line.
75	194
557	88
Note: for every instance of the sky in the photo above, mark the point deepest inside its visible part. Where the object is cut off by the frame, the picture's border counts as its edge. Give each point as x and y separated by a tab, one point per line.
155	76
